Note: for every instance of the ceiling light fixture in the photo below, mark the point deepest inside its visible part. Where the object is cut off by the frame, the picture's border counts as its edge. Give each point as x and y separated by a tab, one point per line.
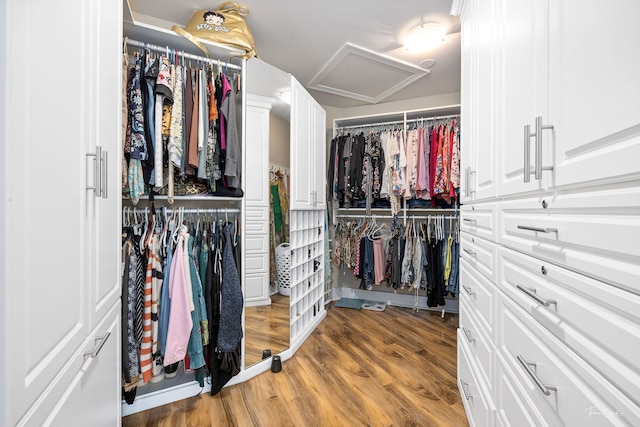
424	37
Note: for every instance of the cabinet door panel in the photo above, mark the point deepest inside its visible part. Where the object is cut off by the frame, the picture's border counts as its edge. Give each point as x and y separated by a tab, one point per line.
478	171
319	150
301	160
93	398
594	86
107	116
522	73
46	210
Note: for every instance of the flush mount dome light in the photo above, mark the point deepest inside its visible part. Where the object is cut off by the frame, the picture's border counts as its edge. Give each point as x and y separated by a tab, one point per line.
424	37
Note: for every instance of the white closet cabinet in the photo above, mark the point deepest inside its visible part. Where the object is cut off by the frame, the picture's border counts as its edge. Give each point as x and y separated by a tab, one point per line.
576	107
308	148
549	274
59	254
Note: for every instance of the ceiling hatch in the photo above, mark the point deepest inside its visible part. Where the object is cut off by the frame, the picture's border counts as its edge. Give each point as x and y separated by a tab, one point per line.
362	74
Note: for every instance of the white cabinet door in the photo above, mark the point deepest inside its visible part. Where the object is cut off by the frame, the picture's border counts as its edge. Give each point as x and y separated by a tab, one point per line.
593	90
319	150
106	131
61	269
89	400
522	74
478	98
301	150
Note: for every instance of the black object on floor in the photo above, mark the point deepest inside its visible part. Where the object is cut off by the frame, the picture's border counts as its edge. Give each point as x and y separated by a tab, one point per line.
276	364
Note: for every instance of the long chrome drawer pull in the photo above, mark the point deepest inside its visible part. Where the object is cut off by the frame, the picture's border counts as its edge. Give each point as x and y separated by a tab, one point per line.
469	220
538	229
532	294
469	251
465	392
468	291
100	343
467	333
527	367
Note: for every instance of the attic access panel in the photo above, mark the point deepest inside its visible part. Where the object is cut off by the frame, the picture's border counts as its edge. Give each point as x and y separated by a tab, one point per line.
365	75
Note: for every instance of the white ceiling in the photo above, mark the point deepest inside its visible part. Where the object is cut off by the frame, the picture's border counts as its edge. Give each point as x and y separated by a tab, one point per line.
303	37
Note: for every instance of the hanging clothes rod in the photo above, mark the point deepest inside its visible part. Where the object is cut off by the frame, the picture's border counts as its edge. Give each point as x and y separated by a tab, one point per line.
371	125
452	217
425	119
166	49
186	211
434	118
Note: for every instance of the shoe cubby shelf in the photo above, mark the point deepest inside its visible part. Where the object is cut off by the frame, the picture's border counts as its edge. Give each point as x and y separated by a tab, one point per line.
307	269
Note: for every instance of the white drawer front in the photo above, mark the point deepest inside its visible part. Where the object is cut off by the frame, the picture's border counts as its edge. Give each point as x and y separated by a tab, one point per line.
478	293
261	213
475	397
595	233
479	220
258	243
515	409
256	227
478	342
258	263
598	321
559	383
479	253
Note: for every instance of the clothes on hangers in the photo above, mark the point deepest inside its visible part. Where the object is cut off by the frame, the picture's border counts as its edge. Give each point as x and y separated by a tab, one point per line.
374	165
187	308
181	129
421	255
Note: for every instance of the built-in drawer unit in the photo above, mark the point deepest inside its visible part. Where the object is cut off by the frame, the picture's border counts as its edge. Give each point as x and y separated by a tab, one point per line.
479	253
479	219
477	399
595	233
564	387
479	343
478	293
598	321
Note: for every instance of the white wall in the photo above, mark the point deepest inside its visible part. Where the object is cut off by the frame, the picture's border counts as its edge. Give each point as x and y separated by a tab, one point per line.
391	107
279	139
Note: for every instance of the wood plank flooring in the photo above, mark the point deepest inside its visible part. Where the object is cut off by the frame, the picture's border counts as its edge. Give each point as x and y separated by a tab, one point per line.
266	326
358	368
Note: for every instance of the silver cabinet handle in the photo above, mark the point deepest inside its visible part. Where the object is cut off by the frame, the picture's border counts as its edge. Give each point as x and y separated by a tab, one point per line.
532	293
468	291
104	171
100	172
538	229
97	173
467	333
469	251
465	392
99	344
538	168
538	135
469	220
527	153
527	367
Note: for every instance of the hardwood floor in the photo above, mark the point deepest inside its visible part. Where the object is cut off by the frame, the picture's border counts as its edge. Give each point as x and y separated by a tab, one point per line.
266	326
358	368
